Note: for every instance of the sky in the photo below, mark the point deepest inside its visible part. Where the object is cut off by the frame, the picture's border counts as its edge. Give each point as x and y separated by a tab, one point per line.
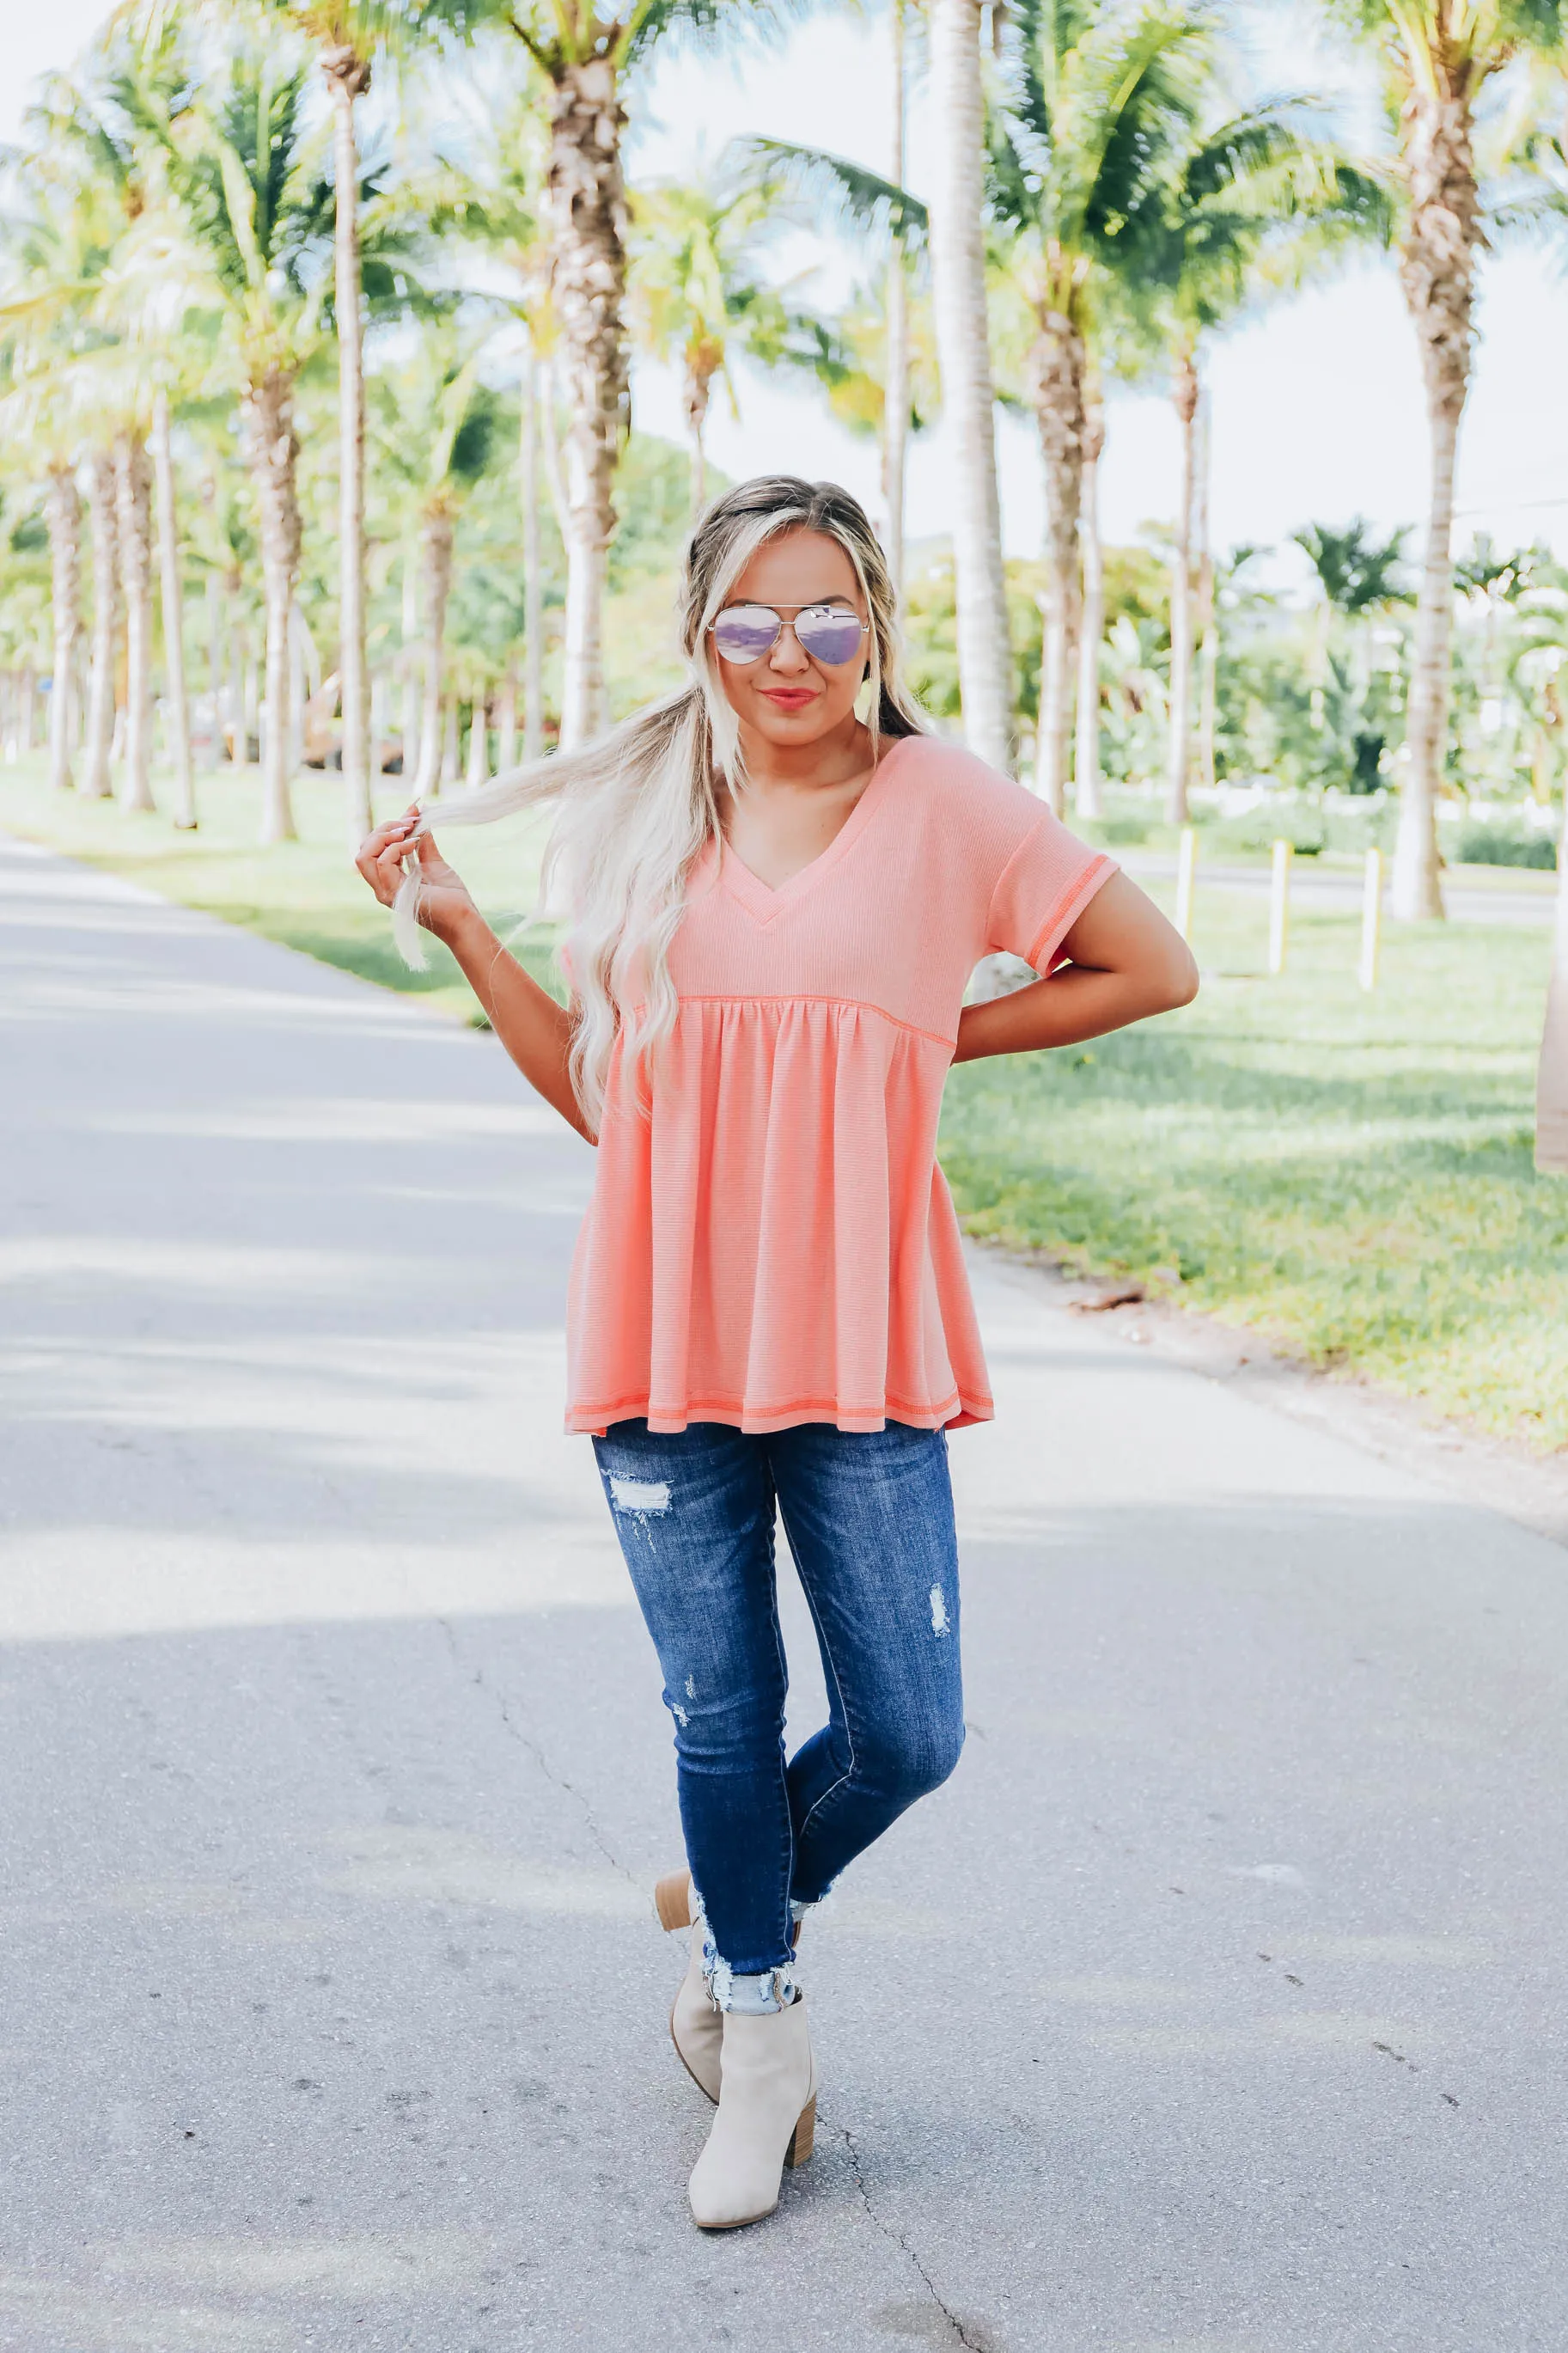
1317	406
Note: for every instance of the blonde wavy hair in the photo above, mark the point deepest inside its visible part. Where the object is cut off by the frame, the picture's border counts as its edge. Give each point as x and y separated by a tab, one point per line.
637	806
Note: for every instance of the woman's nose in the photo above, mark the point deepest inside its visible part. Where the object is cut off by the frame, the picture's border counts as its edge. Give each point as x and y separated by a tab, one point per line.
787	654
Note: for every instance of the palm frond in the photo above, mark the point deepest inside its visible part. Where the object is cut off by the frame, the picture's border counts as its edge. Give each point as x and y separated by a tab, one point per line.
827	189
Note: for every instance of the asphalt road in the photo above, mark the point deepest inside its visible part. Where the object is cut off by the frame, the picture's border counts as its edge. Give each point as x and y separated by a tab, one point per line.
1215	2006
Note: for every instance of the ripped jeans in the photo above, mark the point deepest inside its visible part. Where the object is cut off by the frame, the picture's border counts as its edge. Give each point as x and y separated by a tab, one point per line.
868	1515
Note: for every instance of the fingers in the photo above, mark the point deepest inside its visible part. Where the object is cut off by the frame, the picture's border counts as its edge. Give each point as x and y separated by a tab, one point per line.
380	855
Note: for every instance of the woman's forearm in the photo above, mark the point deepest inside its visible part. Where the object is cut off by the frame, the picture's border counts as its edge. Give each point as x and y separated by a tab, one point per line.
535	1029
1076	1003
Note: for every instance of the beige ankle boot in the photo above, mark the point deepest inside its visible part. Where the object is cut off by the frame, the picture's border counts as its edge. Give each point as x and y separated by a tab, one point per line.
696	2027
767	2115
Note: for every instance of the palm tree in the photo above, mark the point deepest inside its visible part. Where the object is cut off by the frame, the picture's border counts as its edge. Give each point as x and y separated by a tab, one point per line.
1258	203
1360	576
63	511
1087	781
958	279
257	213
96	783
435	424
692	293
177	703
1439	56
132	516
876	359
56	342
584	53
348	37
1095	104
494	199
895	434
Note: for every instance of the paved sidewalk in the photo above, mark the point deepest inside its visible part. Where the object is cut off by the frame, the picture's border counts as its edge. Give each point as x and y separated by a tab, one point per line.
1216	2006
1331	890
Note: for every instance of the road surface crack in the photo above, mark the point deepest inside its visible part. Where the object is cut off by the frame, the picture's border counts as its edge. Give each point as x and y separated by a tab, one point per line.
526	1740
960	2333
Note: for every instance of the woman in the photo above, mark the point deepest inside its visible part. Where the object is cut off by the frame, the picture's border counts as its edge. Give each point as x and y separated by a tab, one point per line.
779	884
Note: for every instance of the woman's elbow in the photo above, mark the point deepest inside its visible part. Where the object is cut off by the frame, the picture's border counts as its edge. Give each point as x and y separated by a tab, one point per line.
1178	979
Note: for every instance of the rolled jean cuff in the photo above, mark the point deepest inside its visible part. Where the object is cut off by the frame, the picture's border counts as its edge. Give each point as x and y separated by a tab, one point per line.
750	1997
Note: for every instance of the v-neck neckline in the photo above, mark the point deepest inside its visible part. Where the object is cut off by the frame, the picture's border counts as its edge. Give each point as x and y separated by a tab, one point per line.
763	902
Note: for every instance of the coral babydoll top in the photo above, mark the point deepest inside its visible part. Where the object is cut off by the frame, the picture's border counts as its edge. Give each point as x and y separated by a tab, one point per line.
770	1239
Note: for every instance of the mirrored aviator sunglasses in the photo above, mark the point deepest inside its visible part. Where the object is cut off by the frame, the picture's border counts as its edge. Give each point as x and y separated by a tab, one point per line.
744	633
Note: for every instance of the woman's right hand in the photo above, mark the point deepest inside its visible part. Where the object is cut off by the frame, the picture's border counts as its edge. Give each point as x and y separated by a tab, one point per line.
381	858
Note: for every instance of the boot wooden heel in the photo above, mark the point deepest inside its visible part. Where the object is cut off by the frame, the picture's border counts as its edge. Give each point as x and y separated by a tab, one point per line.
800	2148
672	1900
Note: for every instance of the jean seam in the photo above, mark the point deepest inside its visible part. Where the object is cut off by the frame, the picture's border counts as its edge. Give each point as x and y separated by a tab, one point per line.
789	1847
816	1619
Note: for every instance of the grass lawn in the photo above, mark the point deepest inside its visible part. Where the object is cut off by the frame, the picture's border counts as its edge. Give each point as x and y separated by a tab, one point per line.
1350	1174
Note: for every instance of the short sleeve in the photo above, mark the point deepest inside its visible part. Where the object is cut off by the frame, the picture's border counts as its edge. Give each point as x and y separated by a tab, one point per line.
1042	890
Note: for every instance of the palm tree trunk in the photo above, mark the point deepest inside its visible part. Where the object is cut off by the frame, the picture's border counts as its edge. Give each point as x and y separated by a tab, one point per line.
958	273
272	453
696	407
532	583
1551	1076
97	785
249	699
436	581
1436	270
896	389
217	663
347	77
1179	736
1057	365
301	687
1207	620
64	513
479	764
587	194
409	665
133	520
450	743
177	712
1088	792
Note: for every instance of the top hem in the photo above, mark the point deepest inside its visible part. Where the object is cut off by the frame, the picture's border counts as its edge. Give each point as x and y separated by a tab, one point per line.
957	1412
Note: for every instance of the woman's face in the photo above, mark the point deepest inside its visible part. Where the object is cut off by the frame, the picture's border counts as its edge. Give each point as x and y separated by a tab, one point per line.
787	695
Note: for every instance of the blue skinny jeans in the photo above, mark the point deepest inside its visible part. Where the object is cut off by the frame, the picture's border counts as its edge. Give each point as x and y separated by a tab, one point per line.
869	1515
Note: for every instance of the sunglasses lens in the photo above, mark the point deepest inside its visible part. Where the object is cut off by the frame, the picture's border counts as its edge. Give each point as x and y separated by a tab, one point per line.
828	635
746	632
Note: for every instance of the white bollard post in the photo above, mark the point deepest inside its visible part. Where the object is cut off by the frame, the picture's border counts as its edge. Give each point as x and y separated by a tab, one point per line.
1279	905
1371	919
1187	875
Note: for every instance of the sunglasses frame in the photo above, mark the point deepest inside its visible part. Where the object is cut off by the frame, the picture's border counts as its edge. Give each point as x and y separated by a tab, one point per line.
816	605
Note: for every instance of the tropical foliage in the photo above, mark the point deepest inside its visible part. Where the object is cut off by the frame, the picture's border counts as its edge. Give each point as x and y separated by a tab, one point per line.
316	394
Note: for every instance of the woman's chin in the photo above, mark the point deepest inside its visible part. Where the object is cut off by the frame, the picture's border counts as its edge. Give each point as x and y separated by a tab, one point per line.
785	727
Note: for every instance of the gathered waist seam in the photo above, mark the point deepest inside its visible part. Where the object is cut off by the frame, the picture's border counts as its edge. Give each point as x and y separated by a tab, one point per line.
807	996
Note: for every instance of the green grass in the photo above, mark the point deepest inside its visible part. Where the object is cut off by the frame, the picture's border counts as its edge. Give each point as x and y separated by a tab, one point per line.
305	893
1350	1174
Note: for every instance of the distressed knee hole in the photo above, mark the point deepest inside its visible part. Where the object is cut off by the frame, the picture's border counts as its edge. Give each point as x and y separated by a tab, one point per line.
639	1495
939	1617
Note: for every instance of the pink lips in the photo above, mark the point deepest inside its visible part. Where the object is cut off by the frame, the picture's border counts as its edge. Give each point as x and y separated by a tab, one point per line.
788	699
